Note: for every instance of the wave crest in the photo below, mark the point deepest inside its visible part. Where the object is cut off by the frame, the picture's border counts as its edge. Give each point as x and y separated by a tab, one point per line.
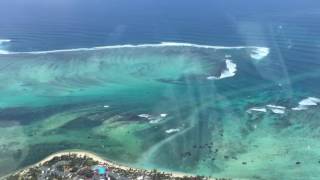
260	51
3	41
230	71
305	103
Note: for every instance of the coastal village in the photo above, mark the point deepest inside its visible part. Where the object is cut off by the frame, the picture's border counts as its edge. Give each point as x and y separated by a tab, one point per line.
87	166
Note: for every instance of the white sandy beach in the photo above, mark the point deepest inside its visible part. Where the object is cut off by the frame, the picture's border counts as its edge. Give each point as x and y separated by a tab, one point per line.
95	157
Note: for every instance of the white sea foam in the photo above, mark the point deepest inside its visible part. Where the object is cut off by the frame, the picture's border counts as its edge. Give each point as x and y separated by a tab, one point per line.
4	52
147	116
260	53
275	106
163	115
303	104
310	101
106	106
155	120
169	131
277	109
299	108
258	109
162	44
230	71
211	77
4	41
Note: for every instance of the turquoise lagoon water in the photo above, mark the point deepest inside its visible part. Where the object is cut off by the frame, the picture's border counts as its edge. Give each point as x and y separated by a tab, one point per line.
207	110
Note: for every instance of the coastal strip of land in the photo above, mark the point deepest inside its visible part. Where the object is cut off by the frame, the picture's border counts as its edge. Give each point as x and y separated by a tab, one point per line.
77	164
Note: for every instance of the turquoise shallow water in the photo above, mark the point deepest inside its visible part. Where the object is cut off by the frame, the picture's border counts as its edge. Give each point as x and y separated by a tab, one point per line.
219	111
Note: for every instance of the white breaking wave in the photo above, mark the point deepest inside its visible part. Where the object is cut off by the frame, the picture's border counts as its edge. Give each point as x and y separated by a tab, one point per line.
169	131
153	119
310	101
163	115
147	116
275	106
4	52
277	109
299	108
2	41
162	44
260	53
258	109
230	71
303	104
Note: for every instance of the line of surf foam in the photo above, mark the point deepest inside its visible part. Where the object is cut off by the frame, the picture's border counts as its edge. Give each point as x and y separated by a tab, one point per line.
3	41
4	52
162	44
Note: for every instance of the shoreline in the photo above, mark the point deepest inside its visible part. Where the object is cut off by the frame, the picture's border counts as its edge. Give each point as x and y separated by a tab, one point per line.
96	157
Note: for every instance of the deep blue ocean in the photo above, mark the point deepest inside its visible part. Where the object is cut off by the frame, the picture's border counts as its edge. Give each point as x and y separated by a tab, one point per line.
46	25
241	99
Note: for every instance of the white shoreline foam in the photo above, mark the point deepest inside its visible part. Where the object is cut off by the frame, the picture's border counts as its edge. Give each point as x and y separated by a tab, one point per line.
162	44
